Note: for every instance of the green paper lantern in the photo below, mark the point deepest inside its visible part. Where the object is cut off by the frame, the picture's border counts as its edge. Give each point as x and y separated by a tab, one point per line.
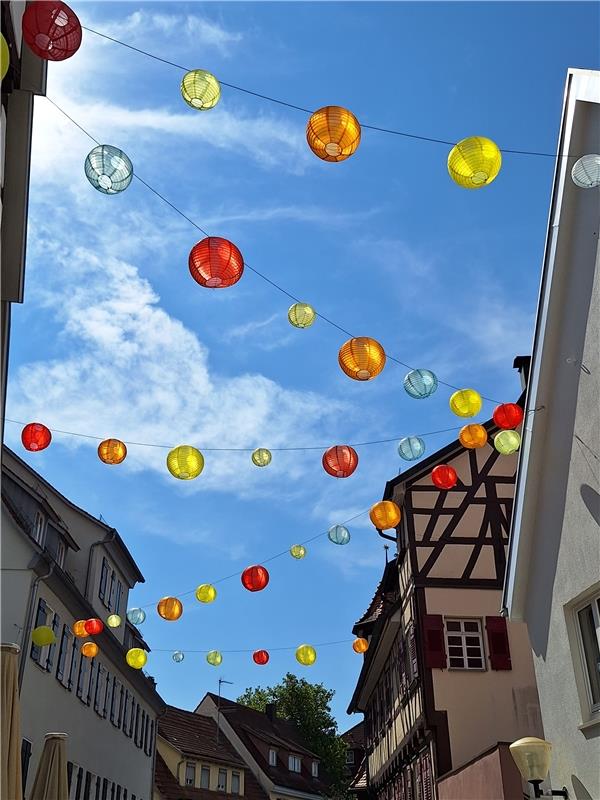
200	89
297	551
301	315
261	457
42	636
507	442
214	658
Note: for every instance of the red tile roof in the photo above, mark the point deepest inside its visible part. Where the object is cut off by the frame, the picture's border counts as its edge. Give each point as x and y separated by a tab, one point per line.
195	735
355	737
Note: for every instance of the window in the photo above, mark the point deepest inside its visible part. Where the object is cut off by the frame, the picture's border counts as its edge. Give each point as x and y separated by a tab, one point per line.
81	678
100	691
272	758
464	643
349	756
294	763
25	756
315	769
222	782
76	788
588	629
190	773
54	545
92	682
114	701
137	723
205	778
121	706
126	711
103	580
72	664
107	694
131	718
235	783
150	743
144	741
63	667
87	786
40	619
104	795
39	528
118	593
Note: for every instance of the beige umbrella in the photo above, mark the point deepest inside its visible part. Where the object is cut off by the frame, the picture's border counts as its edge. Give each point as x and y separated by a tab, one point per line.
11	723
51	781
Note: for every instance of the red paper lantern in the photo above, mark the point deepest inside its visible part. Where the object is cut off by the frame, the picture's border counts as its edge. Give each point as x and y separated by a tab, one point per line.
93	626
260	657
255	578
35	436
340	461
51	29
444	476
508	415
216	263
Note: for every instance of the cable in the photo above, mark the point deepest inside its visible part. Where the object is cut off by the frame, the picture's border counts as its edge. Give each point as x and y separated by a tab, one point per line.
251	649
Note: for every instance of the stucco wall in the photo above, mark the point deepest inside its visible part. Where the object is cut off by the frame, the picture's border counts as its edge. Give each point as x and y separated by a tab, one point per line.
175	761
494	776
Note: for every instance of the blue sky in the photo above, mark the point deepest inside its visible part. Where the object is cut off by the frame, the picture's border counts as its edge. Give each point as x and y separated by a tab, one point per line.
115	339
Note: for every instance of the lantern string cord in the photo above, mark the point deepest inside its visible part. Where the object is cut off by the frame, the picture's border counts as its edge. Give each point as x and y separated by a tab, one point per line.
270	99
252	649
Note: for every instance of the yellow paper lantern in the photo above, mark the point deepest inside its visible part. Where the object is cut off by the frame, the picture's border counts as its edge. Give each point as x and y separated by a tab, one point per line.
301	315
185	462
206	593
136	657
297	551
89	649
78	628
4	57
473	436
507	442
200	89
112	451
333	133
306	655
42	636
360	645
466	403
261	457
214	658
474	162
385	515
113	621
362	358
170	608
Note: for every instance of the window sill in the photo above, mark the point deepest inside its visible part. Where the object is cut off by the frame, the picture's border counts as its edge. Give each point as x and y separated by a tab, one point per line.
590	726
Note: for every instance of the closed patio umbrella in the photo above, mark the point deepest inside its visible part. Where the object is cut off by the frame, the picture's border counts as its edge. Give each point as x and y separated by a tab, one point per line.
51	781
11	723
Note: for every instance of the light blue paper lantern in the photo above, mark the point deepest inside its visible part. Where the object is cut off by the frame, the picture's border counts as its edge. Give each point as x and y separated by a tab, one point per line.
136	615
411	447
420	383
178	656
108	169
338	534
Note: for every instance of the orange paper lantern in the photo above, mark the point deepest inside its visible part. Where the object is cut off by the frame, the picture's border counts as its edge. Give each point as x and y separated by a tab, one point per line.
340	461
89	649
112	451
216	263
78	628
170	608
473	436
360	645
385	515
361	358
333	133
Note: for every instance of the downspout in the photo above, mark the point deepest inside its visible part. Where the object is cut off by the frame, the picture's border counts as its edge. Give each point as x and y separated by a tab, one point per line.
29	616
110	537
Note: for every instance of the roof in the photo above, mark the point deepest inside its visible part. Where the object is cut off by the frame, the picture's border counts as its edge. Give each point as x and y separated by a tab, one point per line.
195	735
169	789
359	782
355	737
387	584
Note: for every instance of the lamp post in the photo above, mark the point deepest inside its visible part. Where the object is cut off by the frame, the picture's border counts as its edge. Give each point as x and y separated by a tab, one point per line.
532	756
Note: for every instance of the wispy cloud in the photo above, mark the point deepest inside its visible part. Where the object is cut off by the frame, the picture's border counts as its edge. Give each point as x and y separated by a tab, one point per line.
315	215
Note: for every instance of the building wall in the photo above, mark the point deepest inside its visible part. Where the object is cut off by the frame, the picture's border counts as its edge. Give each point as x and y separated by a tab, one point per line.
177	764
493	776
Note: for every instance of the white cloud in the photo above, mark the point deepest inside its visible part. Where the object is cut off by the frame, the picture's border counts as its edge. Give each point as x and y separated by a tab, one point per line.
315	215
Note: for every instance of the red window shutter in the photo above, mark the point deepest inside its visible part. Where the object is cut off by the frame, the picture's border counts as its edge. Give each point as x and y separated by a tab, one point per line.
433	639
498	646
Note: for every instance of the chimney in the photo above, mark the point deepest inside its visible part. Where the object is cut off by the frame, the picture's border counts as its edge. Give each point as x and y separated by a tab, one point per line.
270	709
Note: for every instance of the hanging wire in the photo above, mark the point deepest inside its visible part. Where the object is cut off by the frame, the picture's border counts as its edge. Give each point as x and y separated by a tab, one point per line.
250	649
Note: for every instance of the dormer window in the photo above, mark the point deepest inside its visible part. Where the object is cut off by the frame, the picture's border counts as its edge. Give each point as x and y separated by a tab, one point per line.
272	758
39	528
315	769
190	773
294	763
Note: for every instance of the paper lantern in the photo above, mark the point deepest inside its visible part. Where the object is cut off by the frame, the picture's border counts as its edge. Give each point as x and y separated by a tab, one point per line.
261	457
206	593
255	578
4	57
333	133
200	89
136	657
42	636
473	436
306	655
178	656
93	626
35	436
586	171
214	658
411	447
301	315
444	476
89	649
338	534
113	621
78	628
507	442
169	608
260	657
508	415
361	358
385	515
474	162
297	551
112	451
51	29
465	403
360	645
185	462
216	263
136	616
420	383
108	169
340	461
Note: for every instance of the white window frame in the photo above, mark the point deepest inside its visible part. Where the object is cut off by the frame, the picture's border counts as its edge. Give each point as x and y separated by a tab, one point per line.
594	602
463	634
190	765
349	756
315	769
38	531
294	763
272	757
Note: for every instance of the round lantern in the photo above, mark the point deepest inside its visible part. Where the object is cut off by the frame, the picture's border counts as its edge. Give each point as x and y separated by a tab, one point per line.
420	383
51	29
178	656
360	645
261	457
586	171
306	655
206	593
214	658
340	461
385	515
136	657
170	608
333	133
185	462
112	451
89	649
4	57
301	315
411	447
108	169
507	442
361	358
474	162
200	89
78	628
113	621
444	476
297	551
35	436
255	578
508	415
473	436
42	636
94	626
338	534
216	263
136	616
260	657
465	403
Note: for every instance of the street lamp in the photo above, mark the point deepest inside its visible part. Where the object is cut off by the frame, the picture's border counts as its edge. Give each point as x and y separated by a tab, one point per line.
532	756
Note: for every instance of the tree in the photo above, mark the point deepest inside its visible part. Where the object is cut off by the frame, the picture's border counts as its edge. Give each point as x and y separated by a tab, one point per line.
308	706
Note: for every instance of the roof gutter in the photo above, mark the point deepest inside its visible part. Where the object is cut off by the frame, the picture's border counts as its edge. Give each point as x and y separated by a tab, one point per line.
110	537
